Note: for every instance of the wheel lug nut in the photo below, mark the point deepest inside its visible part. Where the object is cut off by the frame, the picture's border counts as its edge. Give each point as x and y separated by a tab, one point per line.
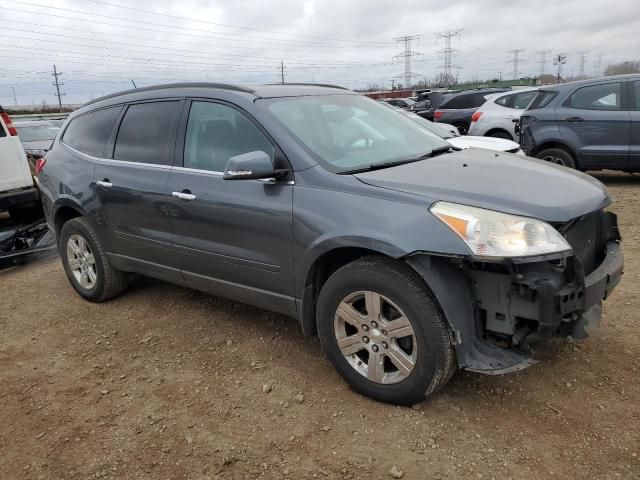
384	332
384	345
365	339
365	328
374	348
374	324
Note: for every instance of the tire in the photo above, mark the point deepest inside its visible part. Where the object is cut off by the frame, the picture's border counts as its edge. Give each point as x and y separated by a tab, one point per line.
557	156
94	278
462	128
499	134
423	349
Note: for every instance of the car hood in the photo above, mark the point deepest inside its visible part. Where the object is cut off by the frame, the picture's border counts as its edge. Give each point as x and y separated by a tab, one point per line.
498	181
490	143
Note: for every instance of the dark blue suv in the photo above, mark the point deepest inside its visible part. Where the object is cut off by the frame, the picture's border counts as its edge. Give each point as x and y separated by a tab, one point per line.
589	125
409	258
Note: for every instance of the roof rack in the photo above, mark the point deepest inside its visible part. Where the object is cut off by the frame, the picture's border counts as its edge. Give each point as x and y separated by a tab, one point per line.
303	84
221	86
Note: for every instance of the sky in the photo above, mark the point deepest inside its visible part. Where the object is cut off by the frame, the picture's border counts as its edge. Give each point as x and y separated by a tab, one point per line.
103	46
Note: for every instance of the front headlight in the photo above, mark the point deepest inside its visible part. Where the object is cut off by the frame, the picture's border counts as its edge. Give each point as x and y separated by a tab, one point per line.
494	234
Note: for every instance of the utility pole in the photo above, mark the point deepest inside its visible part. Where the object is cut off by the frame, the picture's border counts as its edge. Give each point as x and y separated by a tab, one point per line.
448	53
407	55
516	60
58	84
134	83
581	62
282	71
15	99
543	60
560	60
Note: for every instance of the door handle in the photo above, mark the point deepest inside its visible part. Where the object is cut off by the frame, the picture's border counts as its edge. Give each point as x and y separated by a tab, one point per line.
575	119
184	195
104	183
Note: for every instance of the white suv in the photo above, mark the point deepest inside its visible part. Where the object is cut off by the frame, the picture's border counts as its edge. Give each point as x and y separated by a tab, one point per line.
499	114
17	189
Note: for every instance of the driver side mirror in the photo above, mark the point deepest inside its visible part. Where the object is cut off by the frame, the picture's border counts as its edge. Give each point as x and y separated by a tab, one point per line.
251	166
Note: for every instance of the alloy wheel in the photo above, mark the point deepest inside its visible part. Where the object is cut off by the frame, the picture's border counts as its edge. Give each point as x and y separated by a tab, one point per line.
81	261
375	337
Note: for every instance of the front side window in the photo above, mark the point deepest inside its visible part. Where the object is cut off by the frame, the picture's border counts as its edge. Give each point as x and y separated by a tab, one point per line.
144	133
351	132
217	132
88	133
596	97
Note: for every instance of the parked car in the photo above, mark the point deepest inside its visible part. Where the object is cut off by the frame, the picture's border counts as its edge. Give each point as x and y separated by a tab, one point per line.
37	136
404	103
588	125
498	116
428	102
457	108
408	258
17	190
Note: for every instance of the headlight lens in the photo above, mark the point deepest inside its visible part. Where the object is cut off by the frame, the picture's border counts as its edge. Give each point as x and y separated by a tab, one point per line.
494	234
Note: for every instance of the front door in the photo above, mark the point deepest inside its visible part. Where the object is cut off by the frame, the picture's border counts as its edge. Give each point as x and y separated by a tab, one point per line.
597	125
131	187
234	236
634	143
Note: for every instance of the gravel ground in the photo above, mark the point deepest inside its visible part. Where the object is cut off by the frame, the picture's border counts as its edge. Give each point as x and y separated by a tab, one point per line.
166	382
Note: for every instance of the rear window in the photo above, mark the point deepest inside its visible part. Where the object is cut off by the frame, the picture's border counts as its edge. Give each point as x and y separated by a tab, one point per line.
144	133
542	100
456	102
478	100
88	133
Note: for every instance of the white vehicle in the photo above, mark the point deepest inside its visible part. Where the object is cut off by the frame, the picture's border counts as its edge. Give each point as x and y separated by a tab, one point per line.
17	189
497	117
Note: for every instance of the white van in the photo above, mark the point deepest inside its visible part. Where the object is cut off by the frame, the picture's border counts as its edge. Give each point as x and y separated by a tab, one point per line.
17	189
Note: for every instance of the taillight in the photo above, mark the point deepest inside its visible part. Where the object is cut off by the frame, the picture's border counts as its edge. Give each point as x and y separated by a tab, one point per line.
476	116
40	164
438	114
7	121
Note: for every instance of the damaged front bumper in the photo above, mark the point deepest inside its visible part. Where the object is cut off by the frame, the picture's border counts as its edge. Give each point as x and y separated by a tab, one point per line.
512	304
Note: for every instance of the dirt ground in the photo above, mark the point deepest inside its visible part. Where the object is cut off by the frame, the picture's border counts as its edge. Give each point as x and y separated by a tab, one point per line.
166	382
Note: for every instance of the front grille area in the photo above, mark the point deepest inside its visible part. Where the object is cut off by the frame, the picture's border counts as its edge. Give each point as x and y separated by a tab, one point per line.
585	235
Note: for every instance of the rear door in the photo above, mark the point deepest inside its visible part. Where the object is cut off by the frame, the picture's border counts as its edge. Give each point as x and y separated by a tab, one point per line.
131	187
234	236
594	121
634	143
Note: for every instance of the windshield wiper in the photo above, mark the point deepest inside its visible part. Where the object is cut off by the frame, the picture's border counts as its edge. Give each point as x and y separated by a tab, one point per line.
379	166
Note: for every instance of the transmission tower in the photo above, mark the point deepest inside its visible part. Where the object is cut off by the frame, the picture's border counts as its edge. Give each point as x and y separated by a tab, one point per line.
448	53
559	60
581	63
407	56
58	83
597	66
543	60
516	60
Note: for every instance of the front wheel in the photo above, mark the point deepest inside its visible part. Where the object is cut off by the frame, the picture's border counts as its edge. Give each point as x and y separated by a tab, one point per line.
383	331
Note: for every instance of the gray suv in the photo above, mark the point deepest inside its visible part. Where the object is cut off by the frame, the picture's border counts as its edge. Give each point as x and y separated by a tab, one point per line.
588	125
409	259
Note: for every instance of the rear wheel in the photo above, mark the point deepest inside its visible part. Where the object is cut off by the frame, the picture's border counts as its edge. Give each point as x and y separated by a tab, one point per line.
86	263
557	156
384	332
462	128
499	134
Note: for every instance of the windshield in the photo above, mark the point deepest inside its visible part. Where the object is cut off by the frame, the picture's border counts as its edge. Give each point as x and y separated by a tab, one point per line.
39	133
349	132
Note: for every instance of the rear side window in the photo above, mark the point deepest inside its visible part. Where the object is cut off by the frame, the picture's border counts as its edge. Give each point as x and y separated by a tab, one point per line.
89	133
144	133
542	100
596	97
217	132
457	102
636	87
522	100
506	101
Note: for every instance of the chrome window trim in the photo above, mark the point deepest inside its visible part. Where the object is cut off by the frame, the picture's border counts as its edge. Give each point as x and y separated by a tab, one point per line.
115	161
198	170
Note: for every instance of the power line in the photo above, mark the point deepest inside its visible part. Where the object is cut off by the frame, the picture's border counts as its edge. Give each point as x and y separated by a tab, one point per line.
407	55
58	84
542	61
516	60
448	52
